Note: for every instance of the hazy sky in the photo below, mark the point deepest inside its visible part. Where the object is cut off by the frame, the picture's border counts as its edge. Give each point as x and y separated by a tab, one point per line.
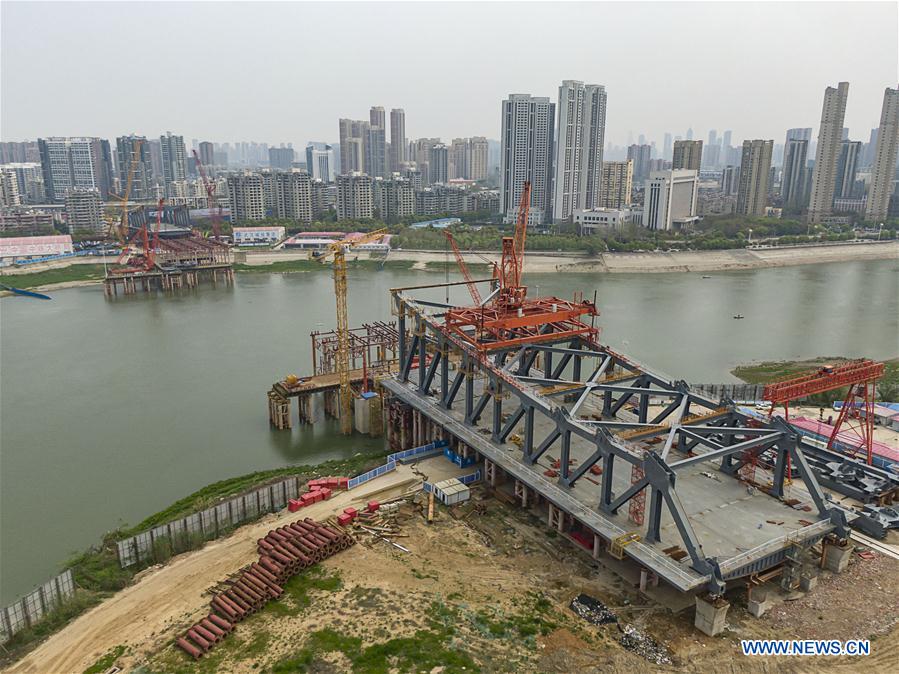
278	72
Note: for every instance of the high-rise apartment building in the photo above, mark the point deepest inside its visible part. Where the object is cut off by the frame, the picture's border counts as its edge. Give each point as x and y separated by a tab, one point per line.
133	159
438	164
670	199
795	177
478	154
667	147
84	212
883	169
687	155
527	155
246	197
579	148
617	184
293	195
9	188
847	168
75	164
870	149
730	180
830	133
355	140
641	155
378	161
174	160
755	170
206	150
281	158
354	196
397	200
320	162
459	158
397	139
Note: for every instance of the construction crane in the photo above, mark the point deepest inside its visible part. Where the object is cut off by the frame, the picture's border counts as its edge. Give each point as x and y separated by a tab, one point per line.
857	412
215	212
141	240
337	253
512	292
121	232
472	288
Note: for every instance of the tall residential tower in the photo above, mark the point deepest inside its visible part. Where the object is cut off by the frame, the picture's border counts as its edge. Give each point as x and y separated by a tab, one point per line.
527	155
884	167
830	134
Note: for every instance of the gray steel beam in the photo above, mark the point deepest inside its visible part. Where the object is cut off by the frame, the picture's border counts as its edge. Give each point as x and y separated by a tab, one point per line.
724	451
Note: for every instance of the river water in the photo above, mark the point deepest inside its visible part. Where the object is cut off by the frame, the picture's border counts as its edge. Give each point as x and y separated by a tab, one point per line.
113	409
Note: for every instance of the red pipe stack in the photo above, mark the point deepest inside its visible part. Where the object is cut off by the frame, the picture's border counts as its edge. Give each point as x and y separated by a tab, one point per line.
283	553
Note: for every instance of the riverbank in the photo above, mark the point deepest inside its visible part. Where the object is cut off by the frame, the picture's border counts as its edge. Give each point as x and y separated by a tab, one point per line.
78	272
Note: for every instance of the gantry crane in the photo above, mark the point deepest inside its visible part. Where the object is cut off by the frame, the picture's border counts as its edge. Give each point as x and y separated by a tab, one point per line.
215	212
857	413
472	288
337	253
512	292
121	232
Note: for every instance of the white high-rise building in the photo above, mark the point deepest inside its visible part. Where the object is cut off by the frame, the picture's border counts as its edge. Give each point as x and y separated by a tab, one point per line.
320	162
397	139
670	199
354	196
883	169
293	195
378	161
580	141
246	197
830	134
527	155
174	160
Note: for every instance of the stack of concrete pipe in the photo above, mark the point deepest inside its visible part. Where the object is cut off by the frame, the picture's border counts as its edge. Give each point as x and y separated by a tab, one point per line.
283	553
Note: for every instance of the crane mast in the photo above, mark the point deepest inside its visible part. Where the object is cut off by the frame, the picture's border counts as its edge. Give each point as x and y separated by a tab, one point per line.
512	292
214	212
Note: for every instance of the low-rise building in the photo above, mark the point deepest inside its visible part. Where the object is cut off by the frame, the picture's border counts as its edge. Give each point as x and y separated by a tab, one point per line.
24	247
595	220
257	236
670	200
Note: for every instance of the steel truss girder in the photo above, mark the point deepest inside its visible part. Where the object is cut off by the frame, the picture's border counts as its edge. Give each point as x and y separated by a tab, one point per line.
659	475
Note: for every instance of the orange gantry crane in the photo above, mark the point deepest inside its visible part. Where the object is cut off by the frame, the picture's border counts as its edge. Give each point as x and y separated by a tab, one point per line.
857	413
337	253
215	211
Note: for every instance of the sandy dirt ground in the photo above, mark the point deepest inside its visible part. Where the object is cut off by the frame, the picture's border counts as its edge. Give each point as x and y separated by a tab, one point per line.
177	591
481	571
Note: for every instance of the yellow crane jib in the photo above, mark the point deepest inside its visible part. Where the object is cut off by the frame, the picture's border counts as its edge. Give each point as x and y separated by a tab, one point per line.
336	252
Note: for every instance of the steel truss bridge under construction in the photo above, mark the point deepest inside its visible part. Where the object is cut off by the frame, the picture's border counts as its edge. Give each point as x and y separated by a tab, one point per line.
590	433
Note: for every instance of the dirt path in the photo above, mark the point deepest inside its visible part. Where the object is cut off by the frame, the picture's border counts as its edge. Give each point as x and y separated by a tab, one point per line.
165	596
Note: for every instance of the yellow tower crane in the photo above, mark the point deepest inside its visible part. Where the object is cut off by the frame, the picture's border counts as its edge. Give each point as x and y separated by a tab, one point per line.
337	252
121	232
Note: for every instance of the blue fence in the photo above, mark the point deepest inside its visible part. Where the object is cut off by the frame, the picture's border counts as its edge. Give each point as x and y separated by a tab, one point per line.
371	475
460	461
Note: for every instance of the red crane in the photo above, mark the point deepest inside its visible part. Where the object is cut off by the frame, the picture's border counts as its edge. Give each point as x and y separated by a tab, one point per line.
512	292
472	288
215	212
857	413
147	260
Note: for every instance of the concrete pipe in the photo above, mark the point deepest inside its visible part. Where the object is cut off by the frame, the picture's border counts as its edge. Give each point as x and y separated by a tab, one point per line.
260	585
330	535
264	544
210	626
241	603
275	535
199	640
265	582
189	648
269	564
255	597
262	572
206	634
220	622
228	608
235	606
251	587
281	558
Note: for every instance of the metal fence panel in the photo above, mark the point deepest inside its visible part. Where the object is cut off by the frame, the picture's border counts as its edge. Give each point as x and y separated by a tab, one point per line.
35	605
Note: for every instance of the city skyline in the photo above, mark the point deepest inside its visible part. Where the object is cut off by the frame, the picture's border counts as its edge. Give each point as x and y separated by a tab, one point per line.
435	107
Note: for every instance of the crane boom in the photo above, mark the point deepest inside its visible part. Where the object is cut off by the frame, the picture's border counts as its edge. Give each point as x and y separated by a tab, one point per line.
472	288
214	212
121	232
512	292
337	250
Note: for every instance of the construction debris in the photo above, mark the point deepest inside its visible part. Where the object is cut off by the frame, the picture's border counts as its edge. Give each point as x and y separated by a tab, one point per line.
637	641
592	610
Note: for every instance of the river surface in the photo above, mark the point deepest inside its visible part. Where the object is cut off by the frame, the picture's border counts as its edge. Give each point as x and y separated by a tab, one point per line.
111	410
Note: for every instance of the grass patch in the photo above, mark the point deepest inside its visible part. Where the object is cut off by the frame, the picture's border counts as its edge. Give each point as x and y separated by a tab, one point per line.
296	591
75	272
423	651
768	371
106	661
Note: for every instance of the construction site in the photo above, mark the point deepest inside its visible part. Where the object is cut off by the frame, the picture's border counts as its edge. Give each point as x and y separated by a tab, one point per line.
167	261
547	504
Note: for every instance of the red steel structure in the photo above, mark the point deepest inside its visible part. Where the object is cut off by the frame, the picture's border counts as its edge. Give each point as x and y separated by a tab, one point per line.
472	287
215	212
511	320
857	412
130	260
